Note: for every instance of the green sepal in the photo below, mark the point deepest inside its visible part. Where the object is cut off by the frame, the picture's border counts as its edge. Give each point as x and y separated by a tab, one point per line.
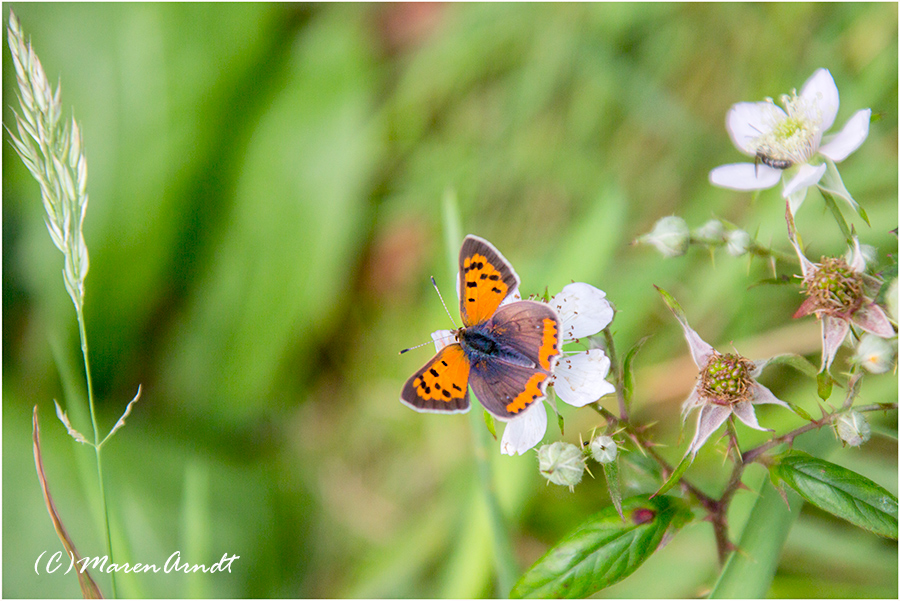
824	385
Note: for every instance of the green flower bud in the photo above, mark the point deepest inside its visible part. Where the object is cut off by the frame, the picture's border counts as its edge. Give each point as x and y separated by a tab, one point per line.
852	428
603	449
561	463
712	231
737	242
670	236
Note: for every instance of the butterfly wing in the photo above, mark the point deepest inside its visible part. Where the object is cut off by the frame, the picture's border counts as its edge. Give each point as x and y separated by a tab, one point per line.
506	390
529	328
442	386
516	376
485	279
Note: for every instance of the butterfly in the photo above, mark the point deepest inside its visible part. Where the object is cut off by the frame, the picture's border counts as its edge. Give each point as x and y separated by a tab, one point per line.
506	352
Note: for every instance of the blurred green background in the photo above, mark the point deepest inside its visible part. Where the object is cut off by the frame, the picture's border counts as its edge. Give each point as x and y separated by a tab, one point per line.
265	212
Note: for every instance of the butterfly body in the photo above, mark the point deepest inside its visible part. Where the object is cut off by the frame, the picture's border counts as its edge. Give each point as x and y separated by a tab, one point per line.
506	352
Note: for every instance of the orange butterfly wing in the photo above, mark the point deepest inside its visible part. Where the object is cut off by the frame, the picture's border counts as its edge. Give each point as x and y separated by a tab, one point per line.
442	386
485	279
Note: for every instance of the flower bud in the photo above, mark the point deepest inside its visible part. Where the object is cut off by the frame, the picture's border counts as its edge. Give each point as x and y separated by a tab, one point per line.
670	236
874	353
712	231
737	242
603	449
852	428
561	463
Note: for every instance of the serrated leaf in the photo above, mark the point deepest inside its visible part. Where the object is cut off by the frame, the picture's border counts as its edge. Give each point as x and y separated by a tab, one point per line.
628	371
603	550
840	492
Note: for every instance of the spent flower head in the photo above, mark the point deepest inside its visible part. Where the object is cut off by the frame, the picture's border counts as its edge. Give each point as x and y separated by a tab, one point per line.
52	151
839	292
726	385
788	144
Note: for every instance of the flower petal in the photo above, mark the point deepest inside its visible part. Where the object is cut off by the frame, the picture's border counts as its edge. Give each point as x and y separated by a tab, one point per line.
834	330
747	121
583	310
848	139
744	176
760	395
708	421
525	431
580	379
807	175
796	199
822	93
874	320
701	350
744	411
691	402
442	338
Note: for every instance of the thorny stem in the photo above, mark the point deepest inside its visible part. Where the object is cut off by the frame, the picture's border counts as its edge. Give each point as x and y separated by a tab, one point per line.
718	508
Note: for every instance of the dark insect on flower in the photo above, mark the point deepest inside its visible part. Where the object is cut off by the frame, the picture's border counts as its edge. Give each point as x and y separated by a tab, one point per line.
762	157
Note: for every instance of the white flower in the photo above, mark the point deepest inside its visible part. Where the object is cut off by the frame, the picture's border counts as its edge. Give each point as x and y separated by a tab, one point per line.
579	378
786	143
726	386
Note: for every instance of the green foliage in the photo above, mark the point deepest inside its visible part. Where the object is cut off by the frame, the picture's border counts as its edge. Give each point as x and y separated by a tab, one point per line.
839	491
265	212
604	549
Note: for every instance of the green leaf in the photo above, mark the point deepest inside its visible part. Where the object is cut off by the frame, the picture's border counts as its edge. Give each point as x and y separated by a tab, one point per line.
676	475
841	492
628	371
798	362
836	212
611	473
603	550
491	426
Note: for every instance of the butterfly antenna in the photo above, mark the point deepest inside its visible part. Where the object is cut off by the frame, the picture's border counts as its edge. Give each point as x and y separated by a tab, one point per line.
433	283
417	346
